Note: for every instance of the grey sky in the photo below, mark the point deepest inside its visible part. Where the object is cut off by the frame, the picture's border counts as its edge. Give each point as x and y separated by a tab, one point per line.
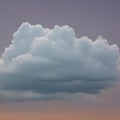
87	17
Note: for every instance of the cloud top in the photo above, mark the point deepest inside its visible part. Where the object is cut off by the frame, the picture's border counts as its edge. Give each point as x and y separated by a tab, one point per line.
46	61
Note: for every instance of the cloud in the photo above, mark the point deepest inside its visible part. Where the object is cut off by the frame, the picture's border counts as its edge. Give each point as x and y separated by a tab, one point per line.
43	62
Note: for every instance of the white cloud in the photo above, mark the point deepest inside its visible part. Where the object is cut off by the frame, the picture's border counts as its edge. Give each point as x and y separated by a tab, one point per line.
50	61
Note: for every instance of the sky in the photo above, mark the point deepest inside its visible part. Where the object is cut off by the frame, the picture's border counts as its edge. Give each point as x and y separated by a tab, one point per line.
59	59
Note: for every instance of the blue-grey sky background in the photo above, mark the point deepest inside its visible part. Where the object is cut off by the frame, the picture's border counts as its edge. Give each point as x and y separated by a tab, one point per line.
88	17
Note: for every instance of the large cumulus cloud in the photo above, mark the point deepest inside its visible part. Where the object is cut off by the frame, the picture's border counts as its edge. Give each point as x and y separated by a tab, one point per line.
43	62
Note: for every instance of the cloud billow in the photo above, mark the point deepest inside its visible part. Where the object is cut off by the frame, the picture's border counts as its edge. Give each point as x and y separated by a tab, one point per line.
43	62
